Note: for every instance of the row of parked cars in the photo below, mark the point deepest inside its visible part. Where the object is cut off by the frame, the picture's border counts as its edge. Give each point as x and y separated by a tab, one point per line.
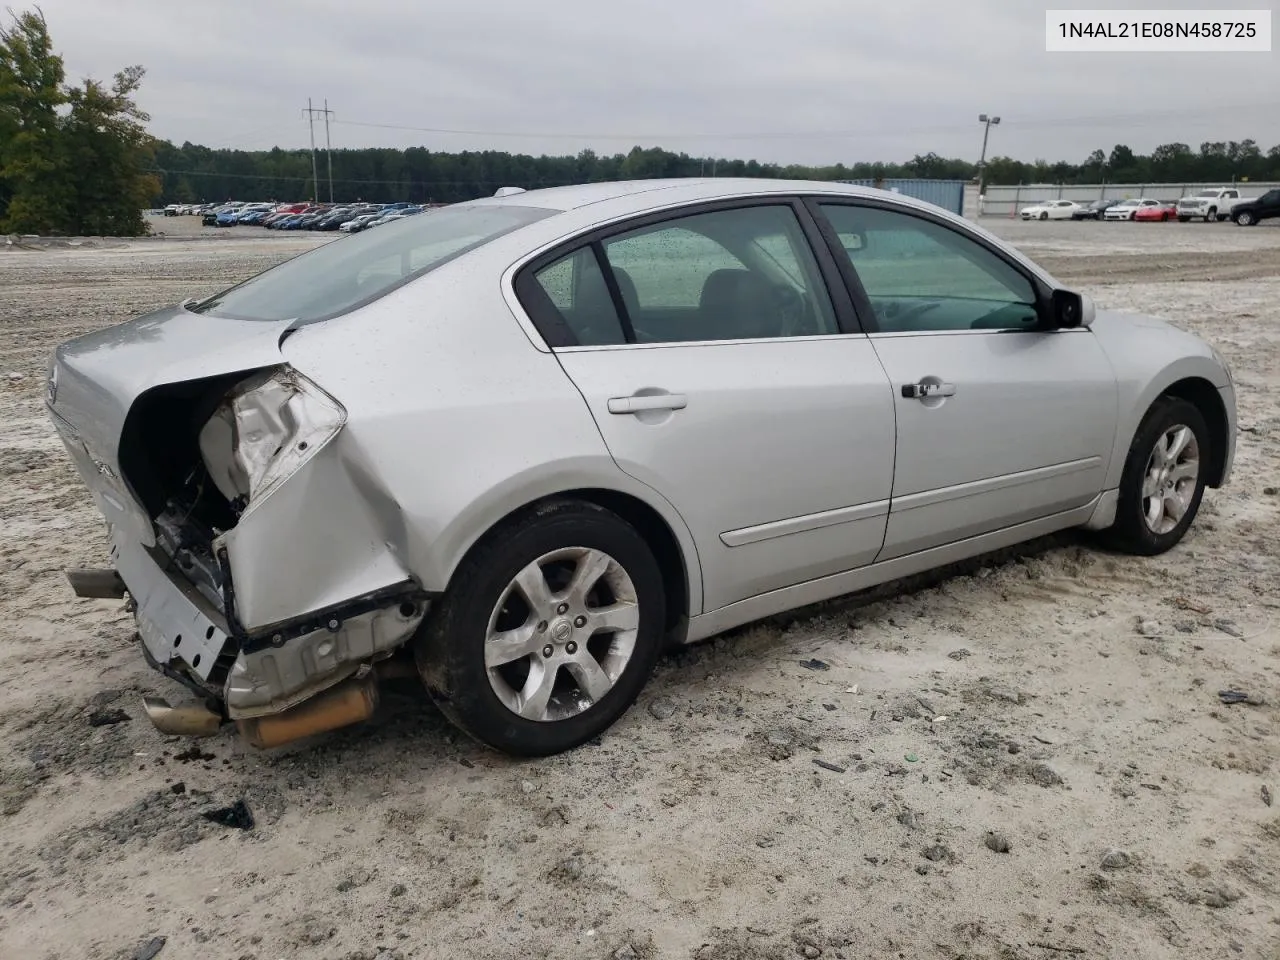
1211	205
349	218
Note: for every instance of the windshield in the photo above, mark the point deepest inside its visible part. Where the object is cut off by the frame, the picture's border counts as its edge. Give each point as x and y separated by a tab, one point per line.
360	268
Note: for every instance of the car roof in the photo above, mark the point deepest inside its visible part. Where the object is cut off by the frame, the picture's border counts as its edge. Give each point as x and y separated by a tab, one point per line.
567	198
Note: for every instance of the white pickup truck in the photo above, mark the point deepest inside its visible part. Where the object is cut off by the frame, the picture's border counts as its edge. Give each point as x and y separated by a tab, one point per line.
1212	204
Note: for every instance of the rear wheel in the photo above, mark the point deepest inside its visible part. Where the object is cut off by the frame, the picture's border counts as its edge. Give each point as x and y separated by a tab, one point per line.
1163	480
548	632
1245	219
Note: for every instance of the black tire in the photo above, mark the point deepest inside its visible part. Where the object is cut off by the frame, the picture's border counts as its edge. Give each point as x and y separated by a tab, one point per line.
450	646
1131	531
1211	216
1245	219
1044	215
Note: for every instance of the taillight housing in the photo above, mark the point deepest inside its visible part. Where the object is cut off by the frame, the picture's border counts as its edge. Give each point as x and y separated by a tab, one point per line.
263	431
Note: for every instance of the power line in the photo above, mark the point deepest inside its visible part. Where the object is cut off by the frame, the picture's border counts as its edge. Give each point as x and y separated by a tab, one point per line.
1144	118
404	181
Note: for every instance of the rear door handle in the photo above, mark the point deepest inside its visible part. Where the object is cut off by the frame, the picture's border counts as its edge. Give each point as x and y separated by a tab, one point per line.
923	391
635	404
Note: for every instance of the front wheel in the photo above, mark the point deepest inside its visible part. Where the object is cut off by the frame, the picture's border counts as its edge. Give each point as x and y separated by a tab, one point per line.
1044	216
548	632
1163	479
1211	216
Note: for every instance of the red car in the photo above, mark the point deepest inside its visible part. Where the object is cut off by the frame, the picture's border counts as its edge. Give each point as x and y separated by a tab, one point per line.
1161	211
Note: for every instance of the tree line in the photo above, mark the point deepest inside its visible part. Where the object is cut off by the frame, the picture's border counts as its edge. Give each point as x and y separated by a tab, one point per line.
191	172
79	159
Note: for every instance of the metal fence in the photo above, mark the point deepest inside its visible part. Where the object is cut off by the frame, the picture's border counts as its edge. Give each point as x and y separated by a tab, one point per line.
1006	201
948	194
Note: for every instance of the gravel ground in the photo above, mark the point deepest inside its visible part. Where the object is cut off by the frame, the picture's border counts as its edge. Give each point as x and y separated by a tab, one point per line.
1025	757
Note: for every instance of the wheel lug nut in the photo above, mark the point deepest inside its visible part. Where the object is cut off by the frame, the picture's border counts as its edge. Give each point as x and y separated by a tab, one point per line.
570	648
580	621
548	650
562	608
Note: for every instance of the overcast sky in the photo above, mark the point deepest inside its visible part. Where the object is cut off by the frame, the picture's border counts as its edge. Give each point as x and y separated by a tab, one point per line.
807	81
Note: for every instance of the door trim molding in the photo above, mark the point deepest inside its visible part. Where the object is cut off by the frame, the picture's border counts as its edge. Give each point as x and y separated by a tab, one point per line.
928	498
803	524
825	588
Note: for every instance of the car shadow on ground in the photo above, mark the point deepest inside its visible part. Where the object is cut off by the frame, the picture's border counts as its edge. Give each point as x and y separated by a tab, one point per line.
408	729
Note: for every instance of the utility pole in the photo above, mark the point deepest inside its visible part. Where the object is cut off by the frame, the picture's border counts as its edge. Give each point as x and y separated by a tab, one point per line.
315	174
982	163
328	148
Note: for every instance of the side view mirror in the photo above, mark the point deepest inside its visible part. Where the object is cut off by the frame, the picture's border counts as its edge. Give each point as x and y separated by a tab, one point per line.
1071	309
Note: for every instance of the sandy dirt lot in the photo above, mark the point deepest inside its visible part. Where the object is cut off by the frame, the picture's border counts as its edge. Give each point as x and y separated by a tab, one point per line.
1026	757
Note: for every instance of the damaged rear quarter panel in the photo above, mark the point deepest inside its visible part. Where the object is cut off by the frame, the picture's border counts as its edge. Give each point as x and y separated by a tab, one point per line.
316	541
455	420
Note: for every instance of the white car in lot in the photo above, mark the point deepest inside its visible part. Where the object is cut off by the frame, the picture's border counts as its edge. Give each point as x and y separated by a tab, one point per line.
1050	210
521	445
1125	209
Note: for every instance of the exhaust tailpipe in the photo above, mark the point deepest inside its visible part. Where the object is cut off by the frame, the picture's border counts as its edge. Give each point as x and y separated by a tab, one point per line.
184	720
349	702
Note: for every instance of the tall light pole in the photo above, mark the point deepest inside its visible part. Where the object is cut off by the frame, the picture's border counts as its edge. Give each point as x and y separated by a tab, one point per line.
982	163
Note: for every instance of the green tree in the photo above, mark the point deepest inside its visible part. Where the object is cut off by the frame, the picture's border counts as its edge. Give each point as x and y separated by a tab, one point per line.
32	161
72	159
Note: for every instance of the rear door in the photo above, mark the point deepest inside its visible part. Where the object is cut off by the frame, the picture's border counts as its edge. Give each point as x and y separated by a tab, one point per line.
999	423
722	373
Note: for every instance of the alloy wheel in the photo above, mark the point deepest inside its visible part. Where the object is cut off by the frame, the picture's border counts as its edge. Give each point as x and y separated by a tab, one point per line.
1172	473
561	634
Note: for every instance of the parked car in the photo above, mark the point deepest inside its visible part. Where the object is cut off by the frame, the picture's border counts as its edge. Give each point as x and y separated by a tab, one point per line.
1251	212
1125	209
1094	210
359	223
721	399
1215	203
1160	211
1050	210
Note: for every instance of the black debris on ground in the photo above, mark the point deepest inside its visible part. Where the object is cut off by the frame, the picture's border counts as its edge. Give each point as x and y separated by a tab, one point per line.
106	718
1240	696
237	815
193	754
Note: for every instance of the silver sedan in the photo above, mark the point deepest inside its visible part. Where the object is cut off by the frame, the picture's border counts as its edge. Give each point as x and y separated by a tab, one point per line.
518	446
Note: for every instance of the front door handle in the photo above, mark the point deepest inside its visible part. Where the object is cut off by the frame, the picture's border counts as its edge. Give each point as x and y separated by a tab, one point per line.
923	391
639	403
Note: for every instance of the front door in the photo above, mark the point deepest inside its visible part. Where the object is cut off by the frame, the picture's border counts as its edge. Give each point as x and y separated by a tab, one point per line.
998	423
726	385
